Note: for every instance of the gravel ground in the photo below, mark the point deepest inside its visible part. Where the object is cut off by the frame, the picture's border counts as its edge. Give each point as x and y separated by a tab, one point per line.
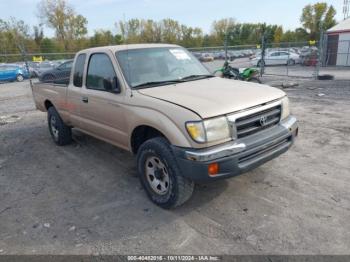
86	198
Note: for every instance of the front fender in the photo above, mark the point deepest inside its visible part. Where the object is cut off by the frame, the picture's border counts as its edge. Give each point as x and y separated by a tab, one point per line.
172	130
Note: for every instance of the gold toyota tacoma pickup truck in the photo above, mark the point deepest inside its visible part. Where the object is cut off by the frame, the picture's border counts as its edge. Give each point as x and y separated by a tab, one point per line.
160	103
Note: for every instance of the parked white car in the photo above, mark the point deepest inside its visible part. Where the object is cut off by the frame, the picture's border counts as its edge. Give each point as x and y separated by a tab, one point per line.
277	58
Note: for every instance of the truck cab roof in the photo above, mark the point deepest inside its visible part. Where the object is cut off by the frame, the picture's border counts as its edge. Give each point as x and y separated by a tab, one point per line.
115	48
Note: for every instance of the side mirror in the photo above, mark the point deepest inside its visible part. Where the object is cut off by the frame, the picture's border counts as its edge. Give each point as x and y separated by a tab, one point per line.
115	86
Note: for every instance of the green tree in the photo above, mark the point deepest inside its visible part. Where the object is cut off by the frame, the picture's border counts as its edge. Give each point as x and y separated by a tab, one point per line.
301	35
104	38
14	35
76	27
191	37
150	31
171	31
222	27
317	17
278	34
60	16
38	35
49	45
131	30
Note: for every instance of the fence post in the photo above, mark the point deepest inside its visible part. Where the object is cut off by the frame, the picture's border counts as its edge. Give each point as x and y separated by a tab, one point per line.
347	55
225	43
288	62
262	63
319	56
24	57
324	50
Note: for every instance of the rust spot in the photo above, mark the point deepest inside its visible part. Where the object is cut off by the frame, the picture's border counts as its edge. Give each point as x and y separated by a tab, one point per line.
68	106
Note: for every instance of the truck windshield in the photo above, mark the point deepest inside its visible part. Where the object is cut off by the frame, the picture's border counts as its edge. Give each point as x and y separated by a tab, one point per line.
149	67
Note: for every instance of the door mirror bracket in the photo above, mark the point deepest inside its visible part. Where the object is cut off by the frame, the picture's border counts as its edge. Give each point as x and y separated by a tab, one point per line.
115	86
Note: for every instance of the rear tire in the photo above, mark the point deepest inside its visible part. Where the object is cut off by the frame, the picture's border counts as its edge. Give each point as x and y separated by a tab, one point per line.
60	132
290	62
260	63
325	77
160	174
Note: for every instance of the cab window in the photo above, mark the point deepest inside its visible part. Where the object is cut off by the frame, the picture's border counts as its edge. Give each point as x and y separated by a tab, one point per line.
101	75
79	70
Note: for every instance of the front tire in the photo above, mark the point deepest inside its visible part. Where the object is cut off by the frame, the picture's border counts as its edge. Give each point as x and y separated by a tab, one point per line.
19	78
60	132
160	175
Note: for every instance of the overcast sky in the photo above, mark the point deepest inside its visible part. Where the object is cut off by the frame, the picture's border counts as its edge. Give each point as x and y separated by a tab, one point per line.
102	14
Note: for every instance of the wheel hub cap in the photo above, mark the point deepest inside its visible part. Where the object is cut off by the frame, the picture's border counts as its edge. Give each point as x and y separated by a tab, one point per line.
157	175
54	127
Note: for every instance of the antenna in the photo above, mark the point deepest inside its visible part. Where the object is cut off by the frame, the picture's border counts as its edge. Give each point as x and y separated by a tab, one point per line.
346	9
126	40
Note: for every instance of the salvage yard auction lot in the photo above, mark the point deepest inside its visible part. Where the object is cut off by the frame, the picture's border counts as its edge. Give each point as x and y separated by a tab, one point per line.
85	198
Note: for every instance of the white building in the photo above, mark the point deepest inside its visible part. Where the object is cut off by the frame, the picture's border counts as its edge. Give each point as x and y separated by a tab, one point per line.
338	44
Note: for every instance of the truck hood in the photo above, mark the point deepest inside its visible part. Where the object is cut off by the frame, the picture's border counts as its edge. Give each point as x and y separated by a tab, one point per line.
215	96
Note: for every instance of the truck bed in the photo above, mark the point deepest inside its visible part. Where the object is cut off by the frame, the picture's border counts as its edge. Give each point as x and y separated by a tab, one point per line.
49	92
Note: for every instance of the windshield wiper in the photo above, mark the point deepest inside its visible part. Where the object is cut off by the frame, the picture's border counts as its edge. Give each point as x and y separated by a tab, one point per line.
195	77
156	83
168	82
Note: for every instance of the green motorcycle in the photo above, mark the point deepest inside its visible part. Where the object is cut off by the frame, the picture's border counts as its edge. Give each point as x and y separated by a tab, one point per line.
248	74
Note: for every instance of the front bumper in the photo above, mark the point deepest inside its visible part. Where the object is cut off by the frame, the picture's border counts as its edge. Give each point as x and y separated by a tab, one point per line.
237	157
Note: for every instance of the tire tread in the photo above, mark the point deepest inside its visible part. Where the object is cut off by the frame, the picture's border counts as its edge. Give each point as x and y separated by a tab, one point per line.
65	132
184	185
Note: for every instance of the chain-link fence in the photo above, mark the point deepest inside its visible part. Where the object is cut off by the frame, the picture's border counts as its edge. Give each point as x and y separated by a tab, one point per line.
24	65
293	59
331	56
215	57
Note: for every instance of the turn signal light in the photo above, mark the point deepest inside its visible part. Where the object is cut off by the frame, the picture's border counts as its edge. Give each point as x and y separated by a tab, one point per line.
213	169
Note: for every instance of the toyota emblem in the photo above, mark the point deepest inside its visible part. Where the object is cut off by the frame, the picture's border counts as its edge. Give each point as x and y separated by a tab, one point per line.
263	120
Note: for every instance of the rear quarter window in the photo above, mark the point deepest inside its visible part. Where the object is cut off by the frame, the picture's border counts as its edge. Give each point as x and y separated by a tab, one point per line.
79	70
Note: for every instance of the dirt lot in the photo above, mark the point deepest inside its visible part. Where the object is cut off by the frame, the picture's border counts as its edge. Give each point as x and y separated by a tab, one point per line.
86	198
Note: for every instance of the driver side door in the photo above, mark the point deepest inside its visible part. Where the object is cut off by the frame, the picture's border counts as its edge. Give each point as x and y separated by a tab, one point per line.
103	108
272	58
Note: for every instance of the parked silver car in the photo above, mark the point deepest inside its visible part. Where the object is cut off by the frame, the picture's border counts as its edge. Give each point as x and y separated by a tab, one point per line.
277	58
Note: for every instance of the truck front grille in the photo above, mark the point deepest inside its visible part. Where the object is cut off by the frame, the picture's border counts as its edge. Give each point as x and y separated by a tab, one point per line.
256	122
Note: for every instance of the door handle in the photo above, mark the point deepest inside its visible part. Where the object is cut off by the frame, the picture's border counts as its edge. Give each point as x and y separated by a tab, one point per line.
85	99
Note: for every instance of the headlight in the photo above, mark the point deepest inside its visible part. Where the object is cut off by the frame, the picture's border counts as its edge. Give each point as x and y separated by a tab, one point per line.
209	130
196	131
285	108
